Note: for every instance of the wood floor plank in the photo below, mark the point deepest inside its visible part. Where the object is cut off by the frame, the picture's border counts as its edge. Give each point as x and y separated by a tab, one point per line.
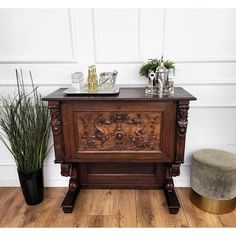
99	221
103	199
55	213
12	205
124	208
152	211
84	201
31	216
4	192
228	220
26	216
106	208
163	218
73	219
52	201
146	215
195	216
5	195
78	218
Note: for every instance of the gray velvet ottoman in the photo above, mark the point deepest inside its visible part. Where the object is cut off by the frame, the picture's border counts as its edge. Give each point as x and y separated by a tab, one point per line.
213	180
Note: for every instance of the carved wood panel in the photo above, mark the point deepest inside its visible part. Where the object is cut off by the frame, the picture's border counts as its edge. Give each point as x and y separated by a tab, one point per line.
118	131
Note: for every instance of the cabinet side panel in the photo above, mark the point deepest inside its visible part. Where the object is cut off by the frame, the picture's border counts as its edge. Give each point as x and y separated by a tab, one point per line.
68	130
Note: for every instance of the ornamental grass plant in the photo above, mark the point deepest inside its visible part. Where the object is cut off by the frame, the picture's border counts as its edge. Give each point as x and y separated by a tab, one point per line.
25	126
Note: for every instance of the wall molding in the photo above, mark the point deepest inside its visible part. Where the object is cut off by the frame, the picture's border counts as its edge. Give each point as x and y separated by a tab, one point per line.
73	59
205	82
205	60
215	60
140	60
178	83
213	105
73	34
96	40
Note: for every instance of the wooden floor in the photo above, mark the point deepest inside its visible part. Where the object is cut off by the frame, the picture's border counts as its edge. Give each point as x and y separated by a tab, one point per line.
106	208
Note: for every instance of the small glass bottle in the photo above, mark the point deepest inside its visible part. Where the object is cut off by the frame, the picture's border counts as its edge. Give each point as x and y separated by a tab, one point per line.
95	77
92	79
77	81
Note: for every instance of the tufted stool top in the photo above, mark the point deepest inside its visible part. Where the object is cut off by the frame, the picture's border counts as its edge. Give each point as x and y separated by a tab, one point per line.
218	159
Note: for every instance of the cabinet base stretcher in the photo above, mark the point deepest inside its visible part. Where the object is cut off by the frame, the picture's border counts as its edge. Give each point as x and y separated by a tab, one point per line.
170	195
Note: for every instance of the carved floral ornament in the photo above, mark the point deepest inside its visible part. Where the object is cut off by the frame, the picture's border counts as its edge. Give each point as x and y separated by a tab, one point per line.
182	119
122	131
55	118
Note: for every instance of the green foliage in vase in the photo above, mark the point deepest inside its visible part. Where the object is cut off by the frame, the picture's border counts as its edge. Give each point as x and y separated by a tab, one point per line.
152	64
24	120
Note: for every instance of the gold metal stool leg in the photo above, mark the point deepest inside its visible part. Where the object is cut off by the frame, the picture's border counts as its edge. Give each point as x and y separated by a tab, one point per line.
212	205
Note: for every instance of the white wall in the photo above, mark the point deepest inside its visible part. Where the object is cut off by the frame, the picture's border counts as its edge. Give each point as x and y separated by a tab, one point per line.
54	43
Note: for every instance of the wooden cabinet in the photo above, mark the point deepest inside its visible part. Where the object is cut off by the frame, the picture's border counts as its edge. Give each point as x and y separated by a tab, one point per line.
125	141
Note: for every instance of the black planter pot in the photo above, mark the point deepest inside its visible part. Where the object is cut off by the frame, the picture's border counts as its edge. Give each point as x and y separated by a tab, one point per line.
32	186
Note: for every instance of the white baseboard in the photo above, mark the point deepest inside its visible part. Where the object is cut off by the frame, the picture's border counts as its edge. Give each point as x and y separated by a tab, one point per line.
47	183
64	183
52	177
182	183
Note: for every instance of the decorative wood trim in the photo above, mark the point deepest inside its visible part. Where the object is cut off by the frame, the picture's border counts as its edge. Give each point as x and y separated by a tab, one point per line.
66	170
175	170
169	190
70	170
169	184
182	118
181	128
57	130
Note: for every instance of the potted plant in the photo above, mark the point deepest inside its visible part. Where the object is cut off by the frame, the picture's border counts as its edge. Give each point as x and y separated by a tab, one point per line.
24	120
152	64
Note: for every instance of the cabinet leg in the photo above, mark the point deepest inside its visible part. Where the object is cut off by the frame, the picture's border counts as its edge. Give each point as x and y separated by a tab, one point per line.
70	198
169	190
172	201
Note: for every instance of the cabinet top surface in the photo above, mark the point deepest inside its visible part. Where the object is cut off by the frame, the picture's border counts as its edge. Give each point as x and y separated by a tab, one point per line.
125	94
